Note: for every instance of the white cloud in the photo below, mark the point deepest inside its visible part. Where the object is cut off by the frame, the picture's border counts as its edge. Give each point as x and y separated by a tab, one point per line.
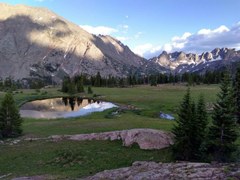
146	50
141	50
203	40
104	30
183	37
123	28
122	38
204	32
207	39
167	47
219	30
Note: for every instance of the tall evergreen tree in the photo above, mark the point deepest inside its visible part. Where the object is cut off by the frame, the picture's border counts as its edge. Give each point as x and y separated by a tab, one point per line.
237	93
90	90
200	129
222	133
79	84
98	79
190	129
171	78
153	80
71	88
10	120
65	84
182	148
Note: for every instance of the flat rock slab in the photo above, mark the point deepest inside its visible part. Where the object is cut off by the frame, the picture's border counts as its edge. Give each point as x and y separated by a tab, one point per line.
163	171
145	138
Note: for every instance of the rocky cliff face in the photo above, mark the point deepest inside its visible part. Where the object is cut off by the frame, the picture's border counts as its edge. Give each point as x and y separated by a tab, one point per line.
181	62
35	42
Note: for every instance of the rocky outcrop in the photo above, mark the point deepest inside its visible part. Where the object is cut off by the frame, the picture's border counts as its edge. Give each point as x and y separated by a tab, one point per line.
35	42
163	171
145	138
142	170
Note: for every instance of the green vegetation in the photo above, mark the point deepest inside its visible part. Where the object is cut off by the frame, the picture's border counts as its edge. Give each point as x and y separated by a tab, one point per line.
151	100
223	131
90	90
190	129
71	159
236	85
219	145
97	122
67	159
10	120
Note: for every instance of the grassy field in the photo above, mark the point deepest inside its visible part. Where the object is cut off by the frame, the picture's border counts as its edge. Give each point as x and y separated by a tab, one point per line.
164	98
68	159
149	100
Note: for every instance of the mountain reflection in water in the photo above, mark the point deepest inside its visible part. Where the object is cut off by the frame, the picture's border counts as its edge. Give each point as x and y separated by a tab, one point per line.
62	107
57	104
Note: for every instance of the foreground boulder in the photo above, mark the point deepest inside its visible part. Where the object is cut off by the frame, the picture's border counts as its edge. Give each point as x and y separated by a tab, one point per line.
163	171
145	138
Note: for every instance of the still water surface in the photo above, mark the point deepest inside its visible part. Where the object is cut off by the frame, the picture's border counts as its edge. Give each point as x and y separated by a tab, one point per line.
63	107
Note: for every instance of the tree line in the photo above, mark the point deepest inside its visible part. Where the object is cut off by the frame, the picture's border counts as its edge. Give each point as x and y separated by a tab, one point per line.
198	139
210	77
77	83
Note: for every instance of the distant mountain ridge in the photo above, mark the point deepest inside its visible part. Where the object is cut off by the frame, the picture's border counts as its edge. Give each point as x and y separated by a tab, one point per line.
35	42
180	62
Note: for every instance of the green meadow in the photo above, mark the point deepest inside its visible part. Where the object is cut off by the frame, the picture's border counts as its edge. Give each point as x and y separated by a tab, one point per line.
70	160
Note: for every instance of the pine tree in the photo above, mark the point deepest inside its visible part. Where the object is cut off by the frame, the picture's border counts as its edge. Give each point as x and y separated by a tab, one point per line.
90	90
71	88
98	80
10	120
171	78
153	80
200	130
65	84
182	148
190	129
237	93
222	133
79	84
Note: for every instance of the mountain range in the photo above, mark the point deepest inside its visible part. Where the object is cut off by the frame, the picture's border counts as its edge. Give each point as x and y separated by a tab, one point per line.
180	62
37	43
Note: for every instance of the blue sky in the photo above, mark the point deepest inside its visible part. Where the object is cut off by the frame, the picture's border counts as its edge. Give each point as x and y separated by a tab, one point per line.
150	26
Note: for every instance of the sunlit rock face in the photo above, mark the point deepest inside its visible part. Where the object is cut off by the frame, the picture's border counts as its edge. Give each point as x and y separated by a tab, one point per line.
181	62
35	42
63	108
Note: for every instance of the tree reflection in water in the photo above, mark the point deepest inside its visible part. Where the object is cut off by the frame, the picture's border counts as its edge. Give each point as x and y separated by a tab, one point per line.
79	101
65	101
71	101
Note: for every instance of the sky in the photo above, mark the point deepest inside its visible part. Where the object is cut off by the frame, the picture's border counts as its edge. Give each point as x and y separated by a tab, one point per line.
150	26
